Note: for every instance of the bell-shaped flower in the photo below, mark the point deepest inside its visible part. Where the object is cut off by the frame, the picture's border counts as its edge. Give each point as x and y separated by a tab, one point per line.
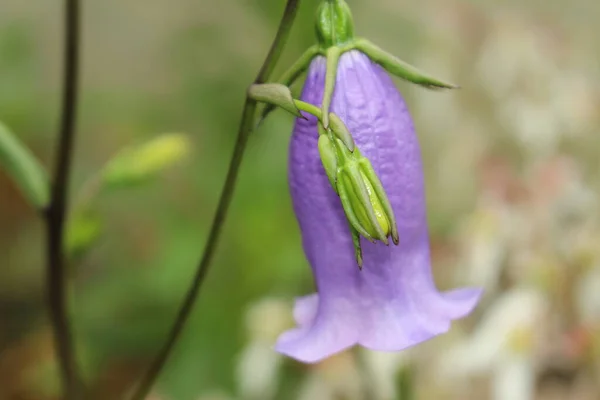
392	303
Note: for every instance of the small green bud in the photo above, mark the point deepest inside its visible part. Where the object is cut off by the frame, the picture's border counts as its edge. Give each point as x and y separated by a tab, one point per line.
335	25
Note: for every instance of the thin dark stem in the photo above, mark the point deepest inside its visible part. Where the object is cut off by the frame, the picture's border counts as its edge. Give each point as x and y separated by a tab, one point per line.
246	124
56	211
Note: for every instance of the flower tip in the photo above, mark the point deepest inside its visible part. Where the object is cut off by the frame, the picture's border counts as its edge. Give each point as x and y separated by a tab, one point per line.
395	237
444	86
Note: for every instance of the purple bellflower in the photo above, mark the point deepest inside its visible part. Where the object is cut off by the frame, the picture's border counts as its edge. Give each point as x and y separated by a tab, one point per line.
391	303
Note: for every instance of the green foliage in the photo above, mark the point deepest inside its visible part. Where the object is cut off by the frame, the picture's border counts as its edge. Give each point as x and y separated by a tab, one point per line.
83	229
25	170
140	164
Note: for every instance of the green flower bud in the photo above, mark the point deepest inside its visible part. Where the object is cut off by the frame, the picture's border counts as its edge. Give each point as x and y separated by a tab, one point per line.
335	25
361	205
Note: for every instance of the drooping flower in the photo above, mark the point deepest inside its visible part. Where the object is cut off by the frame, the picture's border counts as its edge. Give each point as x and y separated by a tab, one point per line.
392	303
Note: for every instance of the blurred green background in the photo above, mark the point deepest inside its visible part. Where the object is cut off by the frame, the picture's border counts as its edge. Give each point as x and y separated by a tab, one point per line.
512	178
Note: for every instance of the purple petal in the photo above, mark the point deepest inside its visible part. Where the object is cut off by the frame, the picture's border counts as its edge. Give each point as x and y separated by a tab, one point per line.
393	302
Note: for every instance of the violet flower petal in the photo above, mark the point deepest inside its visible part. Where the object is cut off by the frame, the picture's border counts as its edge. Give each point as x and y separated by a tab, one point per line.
392	303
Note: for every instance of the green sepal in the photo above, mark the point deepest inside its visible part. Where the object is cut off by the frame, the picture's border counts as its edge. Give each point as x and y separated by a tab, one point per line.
333	58
344	193
357	246
341	131
24	168
361	201
397	67
329	159
290	76
367	169
275	94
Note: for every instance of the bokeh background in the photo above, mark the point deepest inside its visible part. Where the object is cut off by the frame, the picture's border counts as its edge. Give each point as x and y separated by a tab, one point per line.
512	173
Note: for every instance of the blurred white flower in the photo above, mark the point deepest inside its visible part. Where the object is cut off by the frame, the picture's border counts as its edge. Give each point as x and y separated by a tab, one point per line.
587	297
258	364
513	324
484	240
268	317
541	96
514	378
258	370
337	377
382	370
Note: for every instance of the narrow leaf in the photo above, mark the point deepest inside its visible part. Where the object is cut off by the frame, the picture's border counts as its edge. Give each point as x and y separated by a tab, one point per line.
139	164
401	69
276	94
24	168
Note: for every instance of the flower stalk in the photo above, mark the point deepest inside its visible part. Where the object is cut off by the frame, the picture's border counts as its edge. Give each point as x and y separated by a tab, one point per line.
246	126
56	211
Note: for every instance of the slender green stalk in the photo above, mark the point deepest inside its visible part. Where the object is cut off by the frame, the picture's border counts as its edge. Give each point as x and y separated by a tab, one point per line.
246	125
309	108
55	213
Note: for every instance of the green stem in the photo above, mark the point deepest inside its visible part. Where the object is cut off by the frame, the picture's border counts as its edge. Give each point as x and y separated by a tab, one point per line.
246	125
309	108
55	213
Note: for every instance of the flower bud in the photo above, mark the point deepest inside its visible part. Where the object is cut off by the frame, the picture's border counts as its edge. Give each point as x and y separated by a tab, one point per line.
361	204
335	25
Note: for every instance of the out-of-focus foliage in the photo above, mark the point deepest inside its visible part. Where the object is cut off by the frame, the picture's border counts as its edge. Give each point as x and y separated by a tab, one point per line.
512	177
18	162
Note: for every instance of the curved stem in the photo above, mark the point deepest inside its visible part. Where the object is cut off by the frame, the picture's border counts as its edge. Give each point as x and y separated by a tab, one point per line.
290	76
156	366
55	213
309	108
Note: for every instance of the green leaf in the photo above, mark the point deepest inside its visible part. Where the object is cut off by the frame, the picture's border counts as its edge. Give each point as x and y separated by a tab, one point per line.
276	94
137	165
22	166
83	230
